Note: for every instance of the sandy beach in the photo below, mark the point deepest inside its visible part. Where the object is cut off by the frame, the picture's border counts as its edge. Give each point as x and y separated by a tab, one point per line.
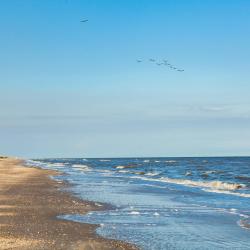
29	204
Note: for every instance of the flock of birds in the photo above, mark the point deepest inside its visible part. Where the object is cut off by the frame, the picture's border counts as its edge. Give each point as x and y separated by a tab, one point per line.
163	62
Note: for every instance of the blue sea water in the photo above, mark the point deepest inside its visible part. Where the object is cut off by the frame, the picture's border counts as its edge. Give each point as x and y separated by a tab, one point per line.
164	203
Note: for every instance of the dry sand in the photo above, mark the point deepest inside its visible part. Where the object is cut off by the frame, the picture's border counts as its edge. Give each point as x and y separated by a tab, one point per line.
29	204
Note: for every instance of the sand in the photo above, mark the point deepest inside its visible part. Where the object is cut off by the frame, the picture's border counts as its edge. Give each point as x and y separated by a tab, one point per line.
29	203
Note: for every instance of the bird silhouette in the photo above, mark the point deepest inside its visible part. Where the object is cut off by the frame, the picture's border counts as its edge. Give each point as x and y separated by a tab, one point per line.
162	62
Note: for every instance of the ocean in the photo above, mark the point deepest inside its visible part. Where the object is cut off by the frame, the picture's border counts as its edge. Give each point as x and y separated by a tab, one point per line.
163	203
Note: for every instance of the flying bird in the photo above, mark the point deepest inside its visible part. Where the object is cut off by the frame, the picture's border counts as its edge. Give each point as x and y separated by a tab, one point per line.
84	21
152	60
139	61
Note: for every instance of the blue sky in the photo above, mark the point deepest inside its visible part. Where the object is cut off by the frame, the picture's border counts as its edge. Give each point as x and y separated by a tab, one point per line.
72	89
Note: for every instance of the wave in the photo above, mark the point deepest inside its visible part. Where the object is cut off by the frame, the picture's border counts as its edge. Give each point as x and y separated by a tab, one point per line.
81	167
170	161
152	174
124	171
37	163
121	167
188	173
244	223
212	186
57	164
228	192
33	163
134	213
218	185
237	212
104	160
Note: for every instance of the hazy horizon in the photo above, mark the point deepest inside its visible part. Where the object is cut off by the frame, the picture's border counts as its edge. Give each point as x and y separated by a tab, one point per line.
72	89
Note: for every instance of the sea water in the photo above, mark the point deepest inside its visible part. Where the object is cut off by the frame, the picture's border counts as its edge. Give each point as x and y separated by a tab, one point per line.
164	203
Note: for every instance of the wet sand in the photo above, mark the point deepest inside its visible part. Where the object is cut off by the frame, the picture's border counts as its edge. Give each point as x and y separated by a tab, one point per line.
29	204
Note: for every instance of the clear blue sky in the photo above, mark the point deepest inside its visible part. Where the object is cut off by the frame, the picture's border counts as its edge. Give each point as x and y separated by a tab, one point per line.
72	89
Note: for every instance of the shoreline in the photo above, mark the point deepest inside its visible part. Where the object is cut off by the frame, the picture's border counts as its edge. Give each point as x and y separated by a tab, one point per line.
30	202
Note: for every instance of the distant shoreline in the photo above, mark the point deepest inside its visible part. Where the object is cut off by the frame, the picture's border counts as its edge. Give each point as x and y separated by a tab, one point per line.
30	202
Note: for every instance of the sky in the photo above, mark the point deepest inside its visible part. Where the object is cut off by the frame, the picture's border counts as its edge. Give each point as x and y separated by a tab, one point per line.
73	89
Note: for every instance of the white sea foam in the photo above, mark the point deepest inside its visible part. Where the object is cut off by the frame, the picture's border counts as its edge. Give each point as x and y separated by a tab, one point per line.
244	223
98	204
105	171
146	161
244	215
210	186
170	161
210	172
104	160
33	163
152	174
228	192
120	167
156	214
123	171
134	213
214	185
57	164
233	210
81	167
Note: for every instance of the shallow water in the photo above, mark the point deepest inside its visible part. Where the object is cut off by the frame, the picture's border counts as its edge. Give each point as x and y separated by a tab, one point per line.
165	203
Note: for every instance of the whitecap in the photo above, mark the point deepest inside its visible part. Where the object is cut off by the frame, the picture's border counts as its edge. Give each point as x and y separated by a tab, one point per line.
120	167
123	171
98	204
134	213
243	223
212	186
188	173
215	185
81	167
152	174
58	164
228	192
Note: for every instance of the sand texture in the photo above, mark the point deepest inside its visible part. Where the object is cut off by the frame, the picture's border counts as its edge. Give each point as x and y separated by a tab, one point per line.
29	204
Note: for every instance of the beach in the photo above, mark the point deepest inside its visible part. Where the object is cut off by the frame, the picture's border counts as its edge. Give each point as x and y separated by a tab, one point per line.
160	203
30	202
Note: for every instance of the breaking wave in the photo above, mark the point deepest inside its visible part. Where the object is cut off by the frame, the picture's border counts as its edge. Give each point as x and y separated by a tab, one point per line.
244	223
212	186
216	185
81	167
